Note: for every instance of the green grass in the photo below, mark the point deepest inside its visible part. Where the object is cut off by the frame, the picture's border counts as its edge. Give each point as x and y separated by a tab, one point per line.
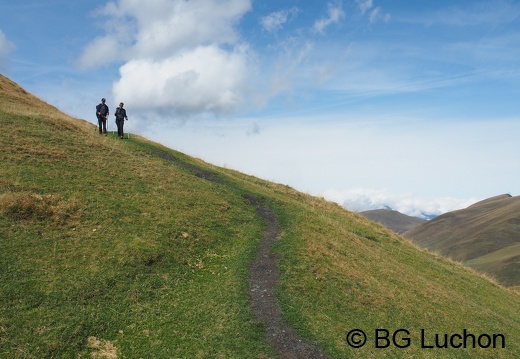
102	239
108	250
341	272
502	263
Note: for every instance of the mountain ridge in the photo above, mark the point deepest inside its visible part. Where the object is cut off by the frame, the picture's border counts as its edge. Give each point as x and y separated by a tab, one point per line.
474	233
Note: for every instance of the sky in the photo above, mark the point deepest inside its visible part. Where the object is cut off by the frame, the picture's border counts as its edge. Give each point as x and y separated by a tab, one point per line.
407	105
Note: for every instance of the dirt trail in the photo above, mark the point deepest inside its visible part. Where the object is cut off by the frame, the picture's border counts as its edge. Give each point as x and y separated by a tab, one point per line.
264	278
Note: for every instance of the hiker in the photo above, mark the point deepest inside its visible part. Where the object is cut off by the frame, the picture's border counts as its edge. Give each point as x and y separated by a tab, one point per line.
120	119
102	113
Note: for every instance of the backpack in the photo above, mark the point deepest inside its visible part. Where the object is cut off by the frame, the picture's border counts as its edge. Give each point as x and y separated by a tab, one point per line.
103	109
120	113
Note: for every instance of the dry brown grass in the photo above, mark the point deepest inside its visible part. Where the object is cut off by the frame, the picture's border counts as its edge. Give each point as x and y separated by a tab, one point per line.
19	206
102	348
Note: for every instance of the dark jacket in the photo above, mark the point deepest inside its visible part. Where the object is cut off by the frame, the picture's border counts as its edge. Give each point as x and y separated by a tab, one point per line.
102	110
120	114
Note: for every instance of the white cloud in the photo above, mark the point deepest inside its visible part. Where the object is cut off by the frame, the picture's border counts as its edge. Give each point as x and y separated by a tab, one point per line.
335	14
186	24
159	29
5	48
205	79
364	199
276	20
178	56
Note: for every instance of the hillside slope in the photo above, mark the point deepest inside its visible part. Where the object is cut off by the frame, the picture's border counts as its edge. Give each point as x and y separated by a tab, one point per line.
486	236
394	220
125	248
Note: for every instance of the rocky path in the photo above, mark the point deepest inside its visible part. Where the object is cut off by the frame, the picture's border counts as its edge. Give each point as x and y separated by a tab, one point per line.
264	277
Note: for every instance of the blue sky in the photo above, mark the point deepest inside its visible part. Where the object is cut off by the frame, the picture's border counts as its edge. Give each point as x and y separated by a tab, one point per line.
411	105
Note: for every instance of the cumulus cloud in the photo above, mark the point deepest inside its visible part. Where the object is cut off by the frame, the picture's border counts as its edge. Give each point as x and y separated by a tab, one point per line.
182	56
157	29
335	14
5	48
364	199
276	20
205	79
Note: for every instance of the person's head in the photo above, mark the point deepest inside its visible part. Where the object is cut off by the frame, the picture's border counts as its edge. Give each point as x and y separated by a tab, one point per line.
103	100
121	104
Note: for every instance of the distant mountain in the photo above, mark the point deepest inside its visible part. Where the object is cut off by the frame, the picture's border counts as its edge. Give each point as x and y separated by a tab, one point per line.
393	220
485	236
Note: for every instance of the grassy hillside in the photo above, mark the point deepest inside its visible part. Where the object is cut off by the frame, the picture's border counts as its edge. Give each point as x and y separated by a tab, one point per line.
394	220
117	248
502	263
485	236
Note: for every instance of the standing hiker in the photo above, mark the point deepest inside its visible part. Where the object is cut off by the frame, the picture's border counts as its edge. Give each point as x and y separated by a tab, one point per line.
102	113
120	119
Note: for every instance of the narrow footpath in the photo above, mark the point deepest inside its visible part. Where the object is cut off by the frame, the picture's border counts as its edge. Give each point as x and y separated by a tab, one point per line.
264	277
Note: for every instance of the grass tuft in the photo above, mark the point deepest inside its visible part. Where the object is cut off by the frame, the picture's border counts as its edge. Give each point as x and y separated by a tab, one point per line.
18	206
